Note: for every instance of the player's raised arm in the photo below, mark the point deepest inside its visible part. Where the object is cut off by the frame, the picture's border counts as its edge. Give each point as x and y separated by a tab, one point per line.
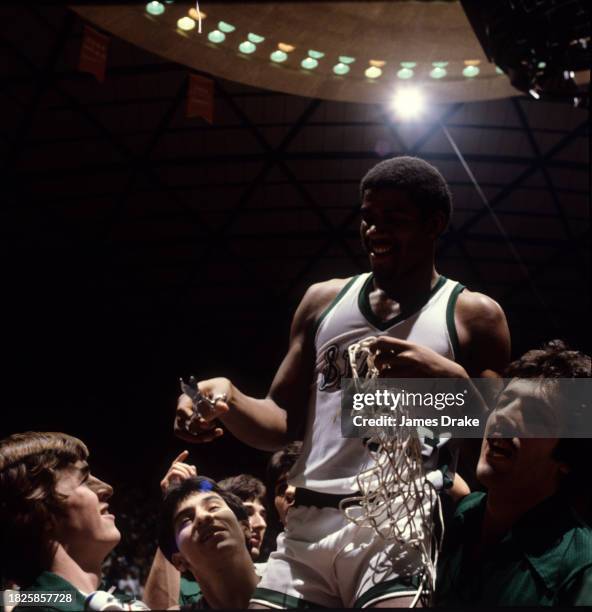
269	423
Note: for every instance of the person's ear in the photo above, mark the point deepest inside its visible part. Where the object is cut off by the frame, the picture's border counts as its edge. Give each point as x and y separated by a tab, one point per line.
246	528
178	560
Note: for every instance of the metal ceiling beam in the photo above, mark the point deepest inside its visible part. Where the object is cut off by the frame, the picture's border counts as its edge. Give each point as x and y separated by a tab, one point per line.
547	158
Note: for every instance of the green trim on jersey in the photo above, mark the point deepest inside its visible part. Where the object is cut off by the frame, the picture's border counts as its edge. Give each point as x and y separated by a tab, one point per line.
366	310
401	586
332	305
275	599
50	582
450	324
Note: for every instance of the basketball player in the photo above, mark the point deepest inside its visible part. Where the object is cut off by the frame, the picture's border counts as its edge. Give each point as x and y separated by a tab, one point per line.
428	326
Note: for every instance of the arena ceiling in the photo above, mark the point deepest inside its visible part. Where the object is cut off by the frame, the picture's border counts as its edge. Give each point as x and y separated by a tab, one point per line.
140	245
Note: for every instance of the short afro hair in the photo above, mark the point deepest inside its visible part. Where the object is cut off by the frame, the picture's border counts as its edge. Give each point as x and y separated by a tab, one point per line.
423	184
180	491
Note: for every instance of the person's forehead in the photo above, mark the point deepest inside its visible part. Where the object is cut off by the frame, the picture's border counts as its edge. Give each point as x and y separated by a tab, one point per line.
527	388
198	498
387	196
257	504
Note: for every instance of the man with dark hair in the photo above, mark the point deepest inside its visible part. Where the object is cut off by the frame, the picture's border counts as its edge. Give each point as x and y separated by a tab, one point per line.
204	529
521	544
251	491
426	326
281	493
165	586
55	525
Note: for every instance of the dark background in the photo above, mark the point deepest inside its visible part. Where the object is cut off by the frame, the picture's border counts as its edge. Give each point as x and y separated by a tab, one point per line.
139	245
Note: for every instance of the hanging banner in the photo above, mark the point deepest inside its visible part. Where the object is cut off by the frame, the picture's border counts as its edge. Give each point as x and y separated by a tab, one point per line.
200	98
93	53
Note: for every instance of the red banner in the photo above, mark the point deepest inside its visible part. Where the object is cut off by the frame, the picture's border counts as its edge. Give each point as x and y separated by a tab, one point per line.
200	98
93	53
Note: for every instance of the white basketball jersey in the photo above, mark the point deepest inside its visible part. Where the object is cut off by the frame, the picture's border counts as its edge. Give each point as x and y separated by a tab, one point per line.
330	463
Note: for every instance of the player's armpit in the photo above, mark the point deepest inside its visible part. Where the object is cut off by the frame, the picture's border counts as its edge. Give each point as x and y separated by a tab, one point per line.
483	334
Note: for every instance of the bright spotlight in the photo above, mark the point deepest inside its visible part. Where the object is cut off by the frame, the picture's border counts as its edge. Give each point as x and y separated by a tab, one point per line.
408	103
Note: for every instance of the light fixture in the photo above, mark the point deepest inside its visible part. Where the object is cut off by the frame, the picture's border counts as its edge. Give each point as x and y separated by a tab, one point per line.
155	8
438	73
195	15
216	36
255	38
309	63
405	73
470	71
226	27
186	24
408	102
373	72
340	69
247	47
346	59
278	56
315	54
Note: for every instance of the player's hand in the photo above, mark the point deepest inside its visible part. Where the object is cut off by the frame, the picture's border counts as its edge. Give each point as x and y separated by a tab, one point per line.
395	358
194	429
178	472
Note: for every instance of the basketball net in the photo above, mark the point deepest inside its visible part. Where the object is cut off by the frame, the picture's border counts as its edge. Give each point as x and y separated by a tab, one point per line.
396	499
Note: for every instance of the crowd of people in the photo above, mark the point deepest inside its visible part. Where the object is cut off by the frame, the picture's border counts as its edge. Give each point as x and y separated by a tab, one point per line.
523	538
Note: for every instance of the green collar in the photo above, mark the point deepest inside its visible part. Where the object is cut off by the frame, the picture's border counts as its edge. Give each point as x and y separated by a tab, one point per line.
366	310
48	581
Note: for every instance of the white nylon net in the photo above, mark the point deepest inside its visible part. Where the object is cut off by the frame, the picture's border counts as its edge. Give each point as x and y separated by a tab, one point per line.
396	499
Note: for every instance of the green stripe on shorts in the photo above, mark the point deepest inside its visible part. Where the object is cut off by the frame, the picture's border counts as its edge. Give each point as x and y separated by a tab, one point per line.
398	587
275	599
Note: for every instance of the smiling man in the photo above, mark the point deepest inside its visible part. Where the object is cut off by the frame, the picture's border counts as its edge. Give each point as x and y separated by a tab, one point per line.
251	491
427	326
204	529
521	544
55	523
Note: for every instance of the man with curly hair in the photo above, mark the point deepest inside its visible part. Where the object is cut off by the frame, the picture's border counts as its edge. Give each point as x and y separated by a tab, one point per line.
521	543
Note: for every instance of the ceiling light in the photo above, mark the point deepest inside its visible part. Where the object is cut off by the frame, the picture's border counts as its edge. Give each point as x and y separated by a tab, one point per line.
216	36
186	24
405	73
309	63
155	8
341	69
247	47
408	103
278	56
470	71
373	72
255	38
226	27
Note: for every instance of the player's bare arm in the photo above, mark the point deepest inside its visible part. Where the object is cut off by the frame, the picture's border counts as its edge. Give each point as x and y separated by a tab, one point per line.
484	342
483	334
269	423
